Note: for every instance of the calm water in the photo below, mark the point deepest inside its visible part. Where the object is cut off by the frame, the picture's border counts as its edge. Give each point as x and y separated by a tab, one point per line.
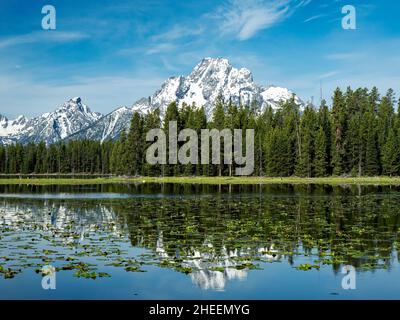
199	242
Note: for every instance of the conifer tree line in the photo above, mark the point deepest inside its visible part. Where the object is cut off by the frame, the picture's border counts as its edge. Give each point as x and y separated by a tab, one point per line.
357	136
84	156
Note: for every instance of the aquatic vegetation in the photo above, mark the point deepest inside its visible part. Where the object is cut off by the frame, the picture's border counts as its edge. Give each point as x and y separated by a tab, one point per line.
307	266
183	269
8	273
133	269
201	237
247	265
220	269
85	274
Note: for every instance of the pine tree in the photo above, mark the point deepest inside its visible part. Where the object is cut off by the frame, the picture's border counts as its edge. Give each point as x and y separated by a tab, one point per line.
118	161
339	120
264	126
371	149
277	154
325	122
304	166
135	145
171	114
291	128
200	120
232	120
385	119
320	160
2	159
41	152
218	122
391	155
373	100
151	121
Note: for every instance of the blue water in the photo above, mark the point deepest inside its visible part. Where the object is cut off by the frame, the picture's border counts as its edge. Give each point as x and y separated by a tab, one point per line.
201	244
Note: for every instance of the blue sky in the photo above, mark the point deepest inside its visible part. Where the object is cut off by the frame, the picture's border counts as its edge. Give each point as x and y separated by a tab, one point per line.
112	53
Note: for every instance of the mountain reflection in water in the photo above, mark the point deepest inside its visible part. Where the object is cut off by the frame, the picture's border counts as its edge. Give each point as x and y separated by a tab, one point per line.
213	239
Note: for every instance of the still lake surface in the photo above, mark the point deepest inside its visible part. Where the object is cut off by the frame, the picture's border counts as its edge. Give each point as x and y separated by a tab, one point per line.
161	241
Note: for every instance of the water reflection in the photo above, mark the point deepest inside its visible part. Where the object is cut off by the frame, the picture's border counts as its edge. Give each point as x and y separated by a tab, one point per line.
220	238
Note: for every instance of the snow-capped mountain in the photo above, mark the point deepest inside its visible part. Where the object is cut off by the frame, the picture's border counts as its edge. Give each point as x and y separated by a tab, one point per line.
108	127
210	79
50	127
10	127
213	78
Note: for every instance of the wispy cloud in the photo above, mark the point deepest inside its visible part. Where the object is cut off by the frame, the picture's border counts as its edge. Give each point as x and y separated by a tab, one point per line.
329	74
345	56
157	48
178	31
161	47
316	17
241	19
303	3
42	36
245	18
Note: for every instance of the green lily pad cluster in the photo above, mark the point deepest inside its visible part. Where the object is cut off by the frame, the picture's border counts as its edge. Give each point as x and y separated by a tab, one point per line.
8	273
307	266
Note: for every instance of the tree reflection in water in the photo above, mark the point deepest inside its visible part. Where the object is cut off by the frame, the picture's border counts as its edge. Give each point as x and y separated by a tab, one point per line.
215	236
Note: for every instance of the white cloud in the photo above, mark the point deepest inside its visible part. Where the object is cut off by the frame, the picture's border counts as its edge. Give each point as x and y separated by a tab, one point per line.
344	56
245	18
42	36
161	47
177	32
318	16
303	3
329	74
241	19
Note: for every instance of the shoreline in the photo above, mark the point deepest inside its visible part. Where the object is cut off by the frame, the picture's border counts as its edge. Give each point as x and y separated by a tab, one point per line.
34	180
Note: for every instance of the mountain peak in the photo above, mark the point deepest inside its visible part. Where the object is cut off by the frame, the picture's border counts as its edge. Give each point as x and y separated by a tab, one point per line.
213	61
210	79
211	67
76	100
279	94
11	127
74	104
3	118
20	120
50	127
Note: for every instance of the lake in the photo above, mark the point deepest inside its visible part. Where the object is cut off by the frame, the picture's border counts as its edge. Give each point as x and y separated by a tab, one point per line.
171	241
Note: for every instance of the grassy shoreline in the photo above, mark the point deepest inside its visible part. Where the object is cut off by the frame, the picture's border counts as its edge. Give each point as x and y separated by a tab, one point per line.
202	180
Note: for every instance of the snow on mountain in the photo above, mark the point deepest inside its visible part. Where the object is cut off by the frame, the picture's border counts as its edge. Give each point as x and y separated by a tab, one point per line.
273	95
210	79
108	127
49	127
11	127
213	78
